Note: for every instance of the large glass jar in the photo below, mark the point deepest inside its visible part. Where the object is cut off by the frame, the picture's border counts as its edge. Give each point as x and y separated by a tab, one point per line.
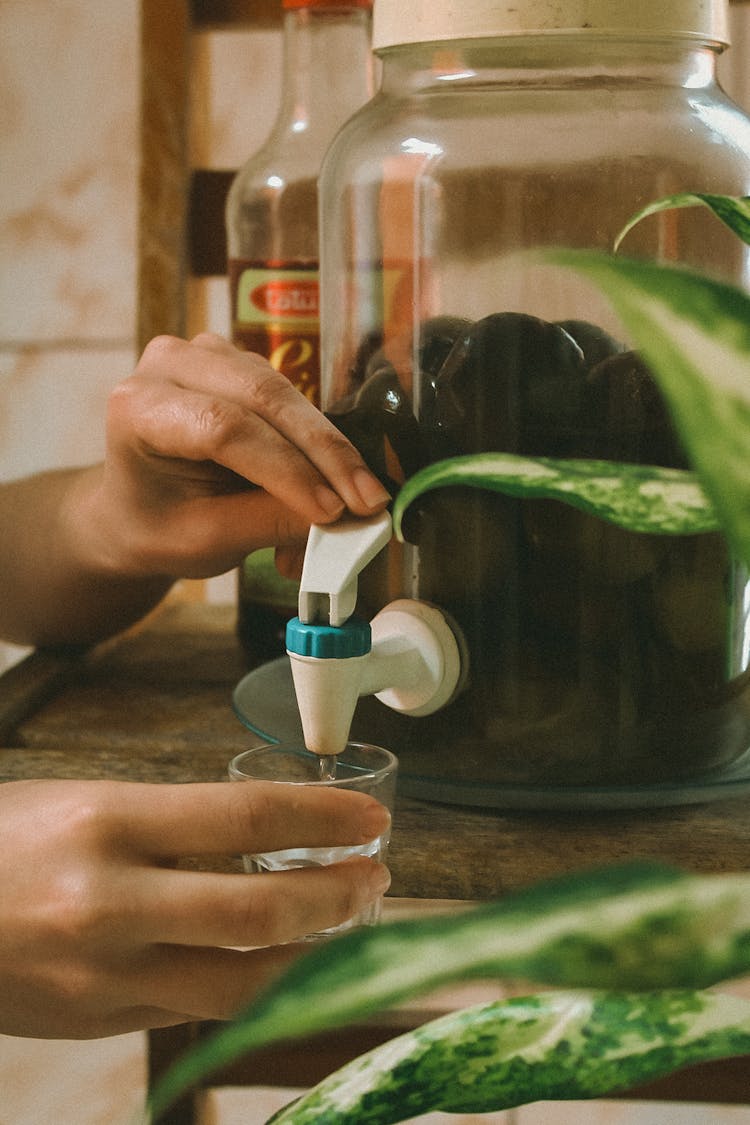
597	657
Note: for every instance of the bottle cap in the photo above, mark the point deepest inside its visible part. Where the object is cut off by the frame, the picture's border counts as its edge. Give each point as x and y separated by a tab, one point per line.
431	21
329	642
332	4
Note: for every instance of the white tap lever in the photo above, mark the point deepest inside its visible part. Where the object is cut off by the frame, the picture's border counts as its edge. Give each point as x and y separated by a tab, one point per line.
335	555
409	657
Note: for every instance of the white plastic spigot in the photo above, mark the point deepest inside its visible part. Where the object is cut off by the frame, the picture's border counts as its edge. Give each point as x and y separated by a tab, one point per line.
408	657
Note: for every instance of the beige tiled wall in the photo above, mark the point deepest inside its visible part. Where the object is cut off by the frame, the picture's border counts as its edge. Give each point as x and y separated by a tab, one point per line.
67	223
68	123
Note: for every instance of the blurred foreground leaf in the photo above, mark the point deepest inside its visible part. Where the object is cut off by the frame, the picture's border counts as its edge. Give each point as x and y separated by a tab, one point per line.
550	1046
639	926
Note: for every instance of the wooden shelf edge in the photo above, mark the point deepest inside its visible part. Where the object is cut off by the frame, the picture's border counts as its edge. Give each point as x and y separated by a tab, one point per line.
35	679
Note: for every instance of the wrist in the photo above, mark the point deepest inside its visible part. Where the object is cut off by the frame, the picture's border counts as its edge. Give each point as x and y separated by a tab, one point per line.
96	534
67	581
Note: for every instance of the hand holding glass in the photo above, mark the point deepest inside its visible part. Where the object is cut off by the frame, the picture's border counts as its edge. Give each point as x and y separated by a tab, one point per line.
364	768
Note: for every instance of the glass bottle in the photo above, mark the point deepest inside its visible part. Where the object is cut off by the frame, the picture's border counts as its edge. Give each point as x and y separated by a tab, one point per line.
272	241
597	658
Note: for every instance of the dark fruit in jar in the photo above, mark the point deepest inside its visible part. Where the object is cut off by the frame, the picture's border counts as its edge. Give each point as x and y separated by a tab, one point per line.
627	417
594	342
380	408
512	383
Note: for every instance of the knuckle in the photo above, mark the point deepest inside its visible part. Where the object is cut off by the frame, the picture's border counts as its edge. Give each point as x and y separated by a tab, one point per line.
256	814
332	443
211	340
80	905
86	815
81	910
133	404
122	400
268	392
160	350
218	424
258	915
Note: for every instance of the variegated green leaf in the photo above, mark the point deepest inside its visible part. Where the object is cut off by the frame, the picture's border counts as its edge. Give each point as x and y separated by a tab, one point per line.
640	926
639	498
731	209
695	336
550	1046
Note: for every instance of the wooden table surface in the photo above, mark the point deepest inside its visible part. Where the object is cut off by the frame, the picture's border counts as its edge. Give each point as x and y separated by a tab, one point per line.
155	705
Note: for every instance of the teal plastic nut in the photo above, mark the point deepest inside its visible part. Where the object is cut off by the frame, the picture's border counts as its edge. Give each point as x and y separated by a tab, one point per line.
329	642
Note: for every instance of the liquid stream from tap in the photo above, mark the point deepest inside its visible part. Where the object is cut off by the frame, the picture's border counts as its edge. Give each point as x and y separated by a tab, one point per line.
327	767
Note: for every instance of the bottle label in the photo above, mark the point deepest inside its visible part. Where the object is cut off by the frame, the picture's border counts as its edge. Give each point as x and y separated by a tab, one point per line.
275	312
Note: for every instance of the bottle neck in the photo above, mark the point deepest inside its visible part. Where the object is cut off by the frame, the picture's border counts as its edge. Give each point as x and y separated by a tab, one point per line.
327	69
561	60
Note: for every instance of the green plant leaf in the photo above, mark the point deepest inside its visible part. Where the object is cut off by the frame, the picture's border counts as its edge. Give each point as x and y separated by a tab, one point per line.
641	498
695	336
733	210
637	926
549	1046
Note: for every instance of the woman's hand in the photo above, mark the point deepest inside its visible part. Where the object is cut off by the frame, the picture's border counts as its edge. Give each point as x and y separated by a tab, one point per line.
101	934
211	454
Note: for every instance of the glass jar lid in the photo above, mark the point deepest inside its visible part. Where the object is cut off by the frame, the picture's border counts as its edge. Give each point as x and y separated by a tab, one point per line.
430	21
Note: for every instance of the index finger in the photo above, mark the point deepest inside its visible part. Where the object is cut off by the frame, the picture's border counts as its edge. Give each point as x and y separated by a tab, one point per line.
259	391
231	818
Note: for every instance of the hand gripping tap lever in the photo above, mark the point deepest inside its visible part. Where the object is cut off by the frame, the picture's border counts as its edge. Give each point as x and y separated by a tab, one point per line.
408	656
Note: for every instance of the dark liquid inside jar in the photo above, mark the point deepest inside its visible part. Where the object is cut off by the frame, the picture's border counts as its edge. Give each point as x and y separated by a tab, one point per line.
597	656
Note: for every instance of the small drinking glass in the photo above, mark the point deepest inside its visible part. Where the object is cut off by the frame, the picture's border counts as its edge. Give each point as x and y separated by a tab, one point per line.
362	767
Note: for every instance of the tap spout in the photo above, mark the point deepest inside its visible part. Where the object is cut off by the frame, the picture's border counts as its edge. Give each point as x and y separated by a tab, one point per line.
408	657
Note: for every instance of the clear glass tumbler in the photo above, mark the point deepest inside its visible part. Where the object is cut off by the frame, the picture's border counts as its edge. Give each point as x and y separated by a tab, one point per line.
361	767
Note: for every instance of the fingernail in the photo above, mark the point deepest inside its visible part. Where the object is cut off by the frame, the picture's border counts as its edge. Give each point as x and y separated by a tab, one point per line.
380	879
370	489
375	821
330	501
373	877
